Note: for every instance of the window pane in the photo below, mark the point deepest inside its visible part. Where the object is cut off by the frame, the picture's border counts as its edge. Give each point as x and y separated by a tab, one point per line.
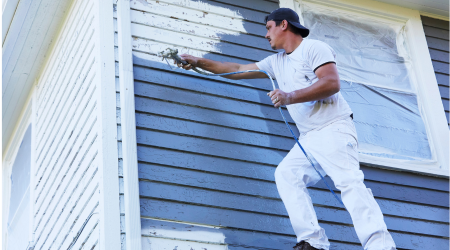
388	122
374	68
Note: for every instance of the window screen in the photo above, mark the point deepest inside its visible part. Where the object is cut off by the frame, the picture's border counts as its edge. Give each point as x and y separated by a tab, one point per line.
376	80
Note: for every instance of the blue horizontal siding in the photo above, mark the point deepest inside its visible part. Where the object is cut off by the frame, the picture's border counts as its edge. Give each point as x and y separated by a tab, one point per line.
437	35
208	148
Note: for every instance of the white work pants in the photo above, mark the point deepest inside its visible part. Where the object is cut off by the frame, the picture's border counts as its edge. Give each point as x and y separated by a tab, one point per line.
333	150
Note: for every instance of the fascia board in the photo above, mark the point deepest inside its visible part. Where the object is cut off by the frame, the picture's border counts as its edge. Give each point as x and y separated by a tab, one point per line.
9	8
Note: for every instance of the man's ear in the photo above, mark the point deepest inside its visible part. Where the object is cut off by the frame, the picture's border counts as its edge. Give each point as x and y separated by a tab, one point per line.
284	25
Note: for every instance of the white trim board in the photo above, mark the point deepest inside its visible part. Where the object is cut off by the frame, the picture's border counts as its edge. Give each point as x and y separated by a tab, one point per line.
8	10
426	84
107	129
128	123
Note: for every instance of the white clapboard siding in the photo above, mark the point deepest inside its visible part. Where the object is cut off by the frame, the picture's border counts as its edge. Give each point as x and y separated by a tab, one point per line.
65	65
66	177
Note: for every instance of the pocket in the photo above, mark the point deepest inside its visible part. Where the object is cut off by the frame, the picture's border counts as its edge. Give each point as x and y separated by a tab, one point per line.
346	144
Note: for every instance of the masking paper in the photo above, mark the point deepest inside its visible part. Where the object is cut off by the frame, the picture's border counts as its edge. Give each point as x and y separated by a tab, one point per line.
376	81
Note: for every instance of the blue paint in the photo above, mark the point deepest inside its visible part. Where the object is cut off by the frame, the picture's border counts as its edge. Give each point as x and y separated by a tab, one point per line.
212	158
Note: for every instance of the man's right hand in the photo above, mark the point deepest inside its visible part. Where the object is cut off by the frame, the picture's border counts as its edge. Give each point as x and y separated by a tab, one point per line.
217	67
191	60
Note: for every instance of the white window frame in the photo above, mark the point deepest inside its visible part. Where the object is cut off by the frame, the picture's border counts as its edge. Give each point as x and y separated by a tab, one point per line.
425	80
9	155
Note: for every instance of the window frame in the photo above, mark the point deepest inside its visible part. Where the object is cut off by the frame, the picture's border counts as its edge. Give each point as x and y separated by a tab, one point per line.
424	79
9	156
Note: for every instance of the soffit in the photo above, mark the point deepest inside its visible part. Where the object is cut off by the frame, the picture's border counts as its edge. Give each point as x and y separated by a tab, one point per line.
27	44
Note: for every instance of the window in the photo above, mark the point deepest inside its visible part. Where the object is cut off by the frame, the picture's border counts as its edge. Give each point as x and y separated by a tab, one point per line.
380	81
18	220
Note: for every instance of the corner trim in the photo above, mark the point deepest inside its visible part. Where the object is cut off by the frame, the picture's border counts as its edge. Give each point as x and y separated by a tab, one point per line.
128	123
109	211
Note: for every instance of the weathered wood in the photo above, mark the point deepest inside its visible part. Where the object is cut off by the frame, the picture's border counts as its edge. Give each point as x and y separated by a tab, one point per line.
109	210
211	117
210	147
65	65
92	239
66	153
262	223
153	62
130	180
65	196
234	238
60	135
237	100
242	137
77	219
202	30
59	172
91	207
65	128
72	85
56	222
263	188
199	85
210	131
153	40
275	207
266	172
78	71
56	53
58	153
265	6
226	10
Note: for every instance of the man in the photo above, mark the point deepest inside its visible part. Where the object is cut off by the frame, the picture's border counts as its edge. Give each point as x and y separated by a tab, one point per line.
309	87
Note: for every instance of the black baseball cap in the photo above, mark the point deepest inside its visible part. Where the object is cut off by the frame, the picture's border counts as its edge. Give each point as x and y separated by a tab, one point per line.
291	17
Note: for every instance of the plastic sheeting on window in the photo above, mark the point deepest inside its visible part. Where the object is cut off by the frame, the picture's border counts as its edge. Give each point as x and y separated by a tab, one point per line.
374	67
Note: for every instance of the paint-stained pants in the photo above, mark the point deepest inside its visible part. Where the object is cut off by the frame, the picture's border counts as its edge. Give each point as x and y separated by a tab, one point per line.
333	149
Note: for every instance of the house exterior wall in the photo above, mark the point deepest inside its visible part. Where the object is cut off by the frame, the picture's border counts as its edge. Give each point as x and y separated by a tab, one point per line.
208	147
436	32
66	189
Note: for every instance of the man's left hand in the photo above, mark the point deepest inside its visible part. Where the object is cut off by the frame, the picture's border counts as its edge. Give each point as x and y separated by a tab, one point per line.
280	98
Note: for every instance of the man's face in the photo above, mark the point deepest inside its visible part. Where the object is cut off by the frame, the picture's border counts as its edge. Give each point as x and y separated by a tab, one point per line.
273	34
